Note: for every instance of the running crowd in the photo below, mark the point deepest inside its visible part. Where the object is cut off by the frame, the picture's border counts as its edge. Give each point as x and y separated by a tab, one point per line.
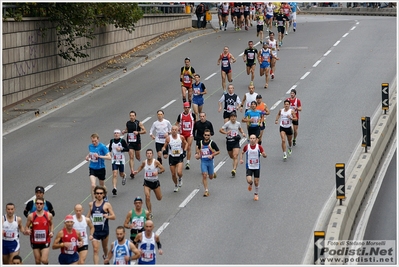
172	142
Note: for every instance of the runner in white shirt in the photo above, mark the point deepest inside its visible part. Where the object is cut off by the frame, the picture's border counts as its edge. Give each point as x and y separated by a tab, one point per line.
160	129
80	223
285	117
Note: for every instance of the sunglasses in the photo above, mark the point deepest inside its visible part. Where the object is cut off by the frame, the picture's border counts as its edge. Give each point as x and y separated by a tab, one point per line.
99	193
39	203
207	135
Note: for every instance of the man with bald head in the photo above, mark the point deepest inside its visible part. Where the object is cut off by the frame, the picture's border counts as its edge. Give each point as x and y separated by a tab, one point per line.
146	244
80	223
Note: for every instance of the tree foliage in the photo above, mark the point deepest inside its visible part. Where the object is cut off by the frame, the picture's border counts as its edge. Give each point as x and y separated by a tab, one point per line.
74	20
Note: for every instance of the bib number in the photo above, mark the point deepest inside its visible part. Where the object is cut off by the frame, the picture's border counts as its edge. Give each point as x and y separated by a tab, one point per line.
131	137
39	235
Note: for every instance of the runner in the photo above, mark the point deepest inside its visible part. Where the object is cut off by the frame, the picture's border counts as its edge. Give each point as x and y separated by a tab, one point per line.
225	14
282	21
200	126
185	121
39	226
269	10
226	58
274	47
98	152
199	90
31	207
249	97
247	8
147	241
295	104
253	152
260	19
232	128
68	240
177	146
186	78
285	116
229	102
136	218
253	118
117	146
265	55
11	226
161	129
100	213
261	106
134	130
122	250
294	7
287	12
206	151
80	223
249	58
152	168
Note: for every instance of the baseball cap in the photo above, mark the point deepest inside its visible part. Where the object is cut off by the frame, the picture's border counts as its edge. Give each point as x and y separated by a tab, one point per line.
39	188
265	43
258	97
138	198
186	104
68	218
117	131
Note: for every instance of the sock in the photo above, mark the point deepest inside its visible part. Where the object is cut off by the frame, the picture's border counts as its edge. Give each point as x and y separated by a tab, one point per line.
256	190
188	161
285	153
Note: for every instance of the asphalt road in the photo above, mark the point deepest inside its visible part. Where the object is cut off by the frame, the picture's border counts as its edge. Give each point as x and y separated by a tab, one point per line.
337	65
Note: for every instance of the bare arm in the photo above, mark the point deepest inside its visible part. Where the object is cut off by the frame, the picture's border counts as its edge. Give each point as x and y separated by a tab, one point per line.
140	168
135	251
57	244
111	214
127	223
91	227
159	165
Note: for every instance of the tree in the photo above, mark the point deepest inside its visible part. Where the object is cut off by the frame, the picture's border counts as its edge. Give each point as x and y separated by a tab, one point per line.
75	20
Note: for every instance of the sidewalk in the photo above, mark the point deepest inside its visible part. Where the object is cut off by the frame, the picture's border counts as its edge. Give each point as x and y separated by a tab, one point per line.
67	91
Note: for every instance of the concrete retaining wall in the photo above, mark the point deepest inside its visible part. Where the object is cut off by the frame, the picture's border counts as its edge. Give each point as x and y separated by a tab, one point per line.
360	11
343	217
31	64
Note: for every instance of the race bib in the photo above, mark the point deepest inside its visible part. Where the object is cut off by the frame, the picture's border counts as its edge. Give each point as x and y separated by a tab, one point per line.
176	150
205	153
118	157
39	235
149	174
138	223
225	63
197	91
186	126
98	219
120	261
92	157
131	137
230	108
161	136
147	255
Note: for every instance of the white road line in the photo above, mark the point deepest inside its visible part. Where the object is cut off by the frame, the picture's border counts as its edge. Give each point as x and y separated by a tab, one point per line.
168	104
45	190
317	63
346	34
275	105
160	229
220	165
256	43
304	76
240	55
184	203
210	76
292	87
242	141
357	23
336	43
354	27
145	120
77	166
328	52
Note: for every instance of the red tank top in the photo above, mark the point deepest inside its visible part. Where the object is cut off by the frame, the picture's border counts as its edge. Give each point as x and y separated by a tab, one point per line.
70	238
186	124
40	229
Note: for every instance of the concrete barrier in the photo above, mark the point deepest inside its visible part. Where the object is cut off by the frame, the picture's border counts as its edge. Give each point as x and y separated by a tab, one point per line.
343	217
360	11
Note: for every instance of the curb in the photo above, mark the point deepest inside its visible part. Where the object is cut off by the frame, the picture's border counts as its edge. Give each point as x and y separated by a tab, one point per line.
54	105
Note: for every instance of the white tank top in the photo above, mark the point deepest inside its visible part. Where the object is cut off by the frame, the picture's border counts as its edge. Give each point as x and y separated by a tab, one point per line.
249	98
175	149
118	157
273	46
149	171
253	157
11	230
285	118
81	227
147	246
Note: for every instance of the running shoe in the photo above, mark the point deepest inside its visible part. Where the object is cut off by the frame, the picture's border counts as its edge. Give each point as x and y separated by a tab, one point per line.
176	189
294	29
272	75
256	197
286	33
151	216
294	142
180	182
224	92
131	176
289	151
114	191
246	28
124	179
280	43
233	173
206	193
187	166
250	187
225	28
285	157
220	27
214	175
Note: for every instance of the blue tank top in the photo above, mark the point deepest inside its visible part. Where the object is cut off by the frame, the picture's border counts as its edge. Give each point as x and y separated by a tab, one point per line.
256	115
100	223
265	56
120	251
197	90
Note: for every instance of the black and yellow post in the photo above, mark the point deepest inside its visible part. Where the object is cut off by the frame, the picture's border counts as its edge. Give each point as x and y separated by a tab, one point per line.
385	97
319	237
366	138
340	181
